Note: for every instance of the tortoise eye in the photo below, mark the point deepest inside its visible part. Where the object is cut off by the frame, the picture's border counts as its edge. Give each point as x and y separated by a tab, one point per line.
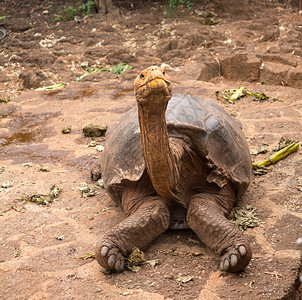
164	72
142	76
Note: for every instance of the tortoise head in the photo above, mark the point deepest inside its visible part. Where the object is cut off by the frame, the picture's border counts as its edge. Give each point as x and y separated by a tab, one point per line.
153	85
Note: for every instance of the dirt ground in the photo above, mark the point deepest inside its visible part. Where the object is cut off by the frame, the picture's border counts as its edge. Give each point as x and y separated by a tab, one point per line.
216	46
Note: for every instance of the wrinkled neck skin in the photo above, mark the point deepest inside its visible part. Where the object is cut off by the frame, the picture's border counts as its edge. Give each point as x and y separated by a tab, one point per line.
159	159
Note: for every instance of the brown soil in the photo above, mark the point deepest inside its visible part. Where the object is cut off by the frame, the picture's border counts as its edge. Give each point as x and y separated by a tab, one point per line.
253	43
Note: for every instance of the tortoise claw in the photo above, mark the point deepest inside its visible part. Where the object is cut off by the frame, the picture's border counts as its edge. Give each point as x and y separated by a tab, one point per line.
111	261
118	265
109	256
104	250
224	265
235	259
242	250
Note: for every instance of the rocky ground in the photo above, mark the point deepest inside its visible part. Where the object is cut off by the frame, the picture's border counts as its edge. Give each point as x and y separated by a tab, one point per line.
52	213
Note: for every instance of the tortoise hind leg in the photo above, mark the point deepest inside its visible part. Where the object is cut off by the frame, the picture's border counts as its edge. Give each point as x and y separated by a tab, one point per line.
207	218
150	219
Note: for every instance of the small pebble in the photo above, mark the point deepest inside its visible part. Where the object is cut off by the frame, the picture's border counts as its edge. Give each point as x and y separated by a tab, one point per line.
27	165
6	185
100	148
78	19
85	64
91	144
44	169
66	130
100	183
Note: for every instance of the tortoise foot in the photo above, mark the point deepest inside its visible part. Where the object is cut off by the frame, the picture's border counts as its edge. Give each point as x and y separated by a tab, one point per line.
109	256
235	259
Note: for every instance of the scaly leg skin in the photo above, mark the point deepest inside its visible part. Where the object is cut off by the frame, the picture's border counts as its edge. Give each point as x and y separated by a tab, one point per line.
138	230
207	219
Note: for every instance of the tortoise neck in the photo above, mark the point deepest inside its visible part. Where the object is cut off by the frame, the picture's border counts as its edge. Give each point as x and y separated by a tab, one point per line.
159	158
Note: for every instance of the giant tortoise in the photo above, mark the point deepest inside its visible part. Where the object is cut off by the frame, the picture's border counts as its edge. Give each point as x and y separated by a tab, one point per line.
174	161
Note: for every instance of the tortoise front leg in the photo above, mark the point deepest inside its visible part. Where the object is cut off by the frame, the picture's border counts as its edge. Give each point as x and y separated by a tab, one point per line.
206	217
149	220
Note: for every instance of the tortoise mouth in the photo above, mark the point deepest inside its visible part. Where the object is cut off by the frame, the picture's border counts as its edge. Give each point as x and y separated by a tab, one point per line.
156	87
157	83
154	83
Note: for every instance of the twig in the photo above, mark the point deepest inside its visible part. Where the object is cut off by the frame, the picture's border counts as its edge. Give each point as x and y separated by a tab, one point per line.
42	229
276	274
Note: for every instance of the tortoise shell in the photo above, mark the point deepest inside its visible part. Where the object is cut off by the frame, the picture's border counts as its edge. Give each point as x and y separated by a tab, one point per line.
211	132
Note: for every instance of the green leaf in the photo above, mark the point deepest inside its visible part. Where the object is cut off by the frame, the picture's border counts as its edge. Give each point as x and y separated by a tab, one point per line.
236	94
277	156
52	87
232	96
86	256
244	217
134	260
120	68
258	96
82	76
91	71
